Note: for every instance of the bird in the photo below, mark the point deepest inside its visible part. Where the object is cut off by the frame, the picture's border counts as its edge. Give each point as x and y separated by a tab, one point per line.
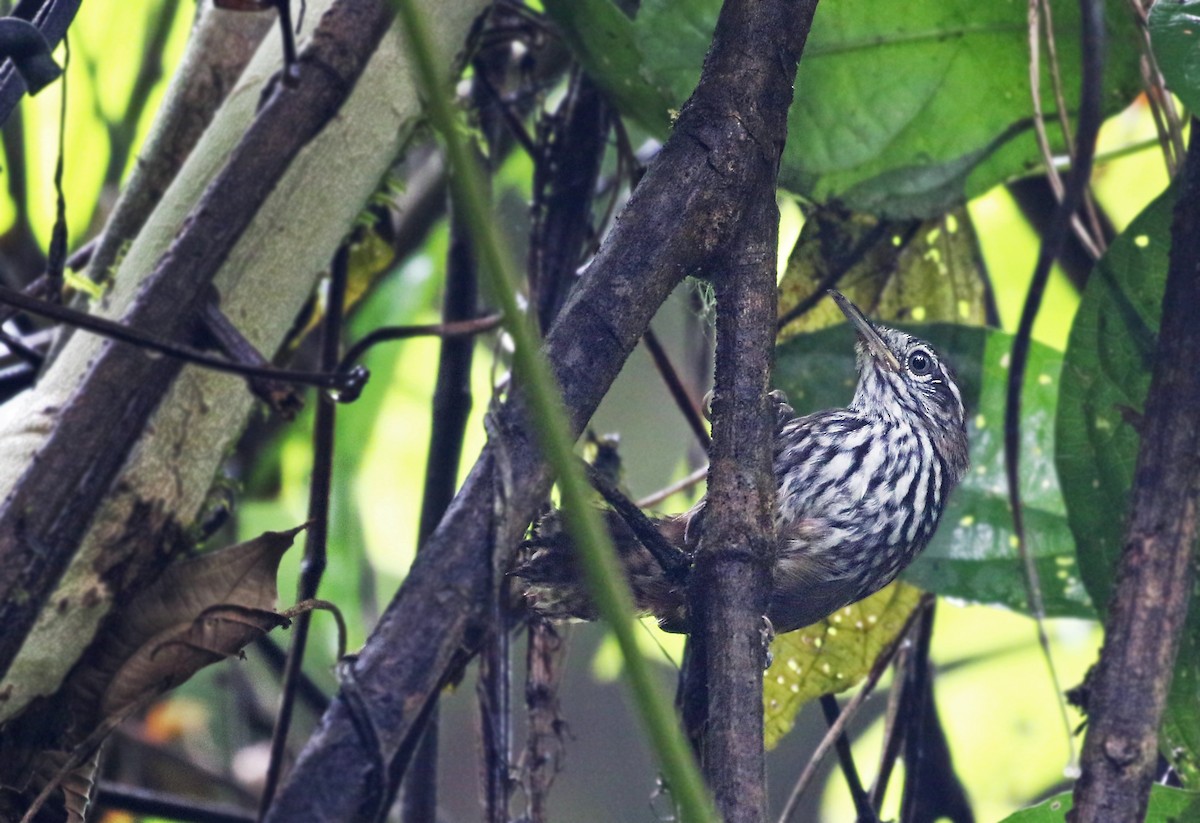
860	491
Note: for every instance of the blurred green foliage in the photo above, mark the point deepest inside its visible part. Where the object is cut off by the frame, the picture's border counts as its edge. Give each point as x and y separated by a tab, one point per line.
882	93
106	61
905	111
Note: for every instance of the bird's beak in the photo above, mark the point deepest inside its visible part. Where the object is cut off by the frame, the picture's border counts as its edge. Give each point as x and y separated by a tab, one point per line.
866	331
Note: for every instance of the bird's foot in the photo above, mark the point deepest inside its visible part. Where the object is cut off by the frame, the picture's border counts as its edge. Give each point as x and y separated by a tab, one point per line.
766	635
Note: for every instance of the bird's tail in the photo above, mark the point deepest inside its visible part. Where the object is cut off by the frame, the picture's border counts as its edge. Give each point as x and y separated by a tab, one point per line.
554	585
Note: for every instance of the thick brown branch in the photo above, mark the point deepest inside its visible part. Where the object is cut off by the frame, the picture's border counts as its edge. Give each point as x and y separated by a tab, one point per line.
43	520
732	576
1154	578
686	210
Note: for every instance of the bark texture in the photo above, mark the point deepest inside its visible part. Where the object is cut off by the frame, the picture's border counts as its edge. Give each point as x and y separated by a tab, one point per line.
731	581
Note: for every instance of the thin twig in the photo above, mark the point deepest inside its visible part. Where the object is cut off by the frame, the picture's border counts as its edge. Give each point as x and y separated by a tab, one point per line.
312	567
346	383
662	494
1090	115
450	408
862	803
684	401
281	398
571	149
1093	245
56	259
458	328
1092	237
515	126
893	728
142	801
20	349
914	685
1162	103
851	708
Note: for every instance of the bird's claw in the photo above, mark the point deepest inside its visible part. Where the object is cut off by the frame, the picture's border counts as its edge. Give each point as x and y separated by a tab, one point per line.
766	634
783	410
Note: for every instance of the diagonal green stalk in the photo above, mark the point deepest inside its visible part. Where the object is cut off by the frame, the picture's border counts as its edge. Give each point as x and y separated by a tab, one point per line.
596	554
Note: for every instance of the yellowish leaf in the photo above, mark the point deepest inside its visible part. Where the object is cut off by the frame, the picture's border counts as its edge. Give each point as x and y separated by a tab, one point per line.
901	270
832	655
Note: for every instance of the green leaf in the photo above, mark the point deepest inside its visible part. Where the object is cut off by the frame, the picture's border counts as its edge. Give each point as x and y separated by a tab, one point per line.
1167	805
973	555
1174	29
603	38
830	656
1106	376
1180	740
881	95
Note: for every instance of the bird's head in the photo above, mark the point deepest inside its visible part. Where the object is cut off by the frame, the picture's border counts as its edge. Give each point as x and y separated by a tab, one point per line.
903	378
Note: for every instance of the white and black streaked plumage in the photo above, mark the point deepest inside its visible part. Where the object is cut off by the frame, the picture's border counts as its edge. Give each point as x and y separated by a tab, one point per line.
861	490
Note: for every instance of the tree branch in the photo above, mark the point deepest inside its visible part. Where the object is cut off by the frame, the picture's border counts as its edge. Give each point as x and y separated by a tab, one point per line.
44	518
147	515
731	580
686	209
1155	573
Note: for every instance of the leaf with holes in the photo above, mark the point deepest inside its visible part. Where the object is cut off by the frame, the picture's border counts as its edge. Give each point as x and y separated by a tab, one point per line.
904	270
973	554
832	655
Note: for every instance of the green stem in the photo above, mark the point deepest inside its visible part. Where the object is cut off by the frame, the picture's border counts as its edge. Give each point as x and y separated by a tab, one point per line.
596	554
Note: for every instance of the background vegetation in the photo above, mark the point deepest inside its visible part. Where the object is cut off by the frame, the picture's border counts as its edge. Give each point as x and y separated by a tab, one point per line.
911	171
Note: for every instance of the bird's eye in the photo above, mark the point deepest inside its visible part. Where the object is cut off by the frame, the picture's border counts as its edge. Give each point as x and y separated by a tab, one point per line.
920	363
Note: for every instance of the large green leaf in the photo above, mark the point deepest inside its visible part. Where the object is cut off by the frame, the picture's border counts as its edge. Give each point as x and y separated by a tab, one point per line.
1167	805
903	109
973	554
1173	27
1106	375
603	38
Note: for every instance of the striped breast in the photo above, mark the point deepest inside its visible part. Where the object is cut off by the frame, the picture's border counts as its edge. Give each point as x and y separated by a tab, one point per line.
858	495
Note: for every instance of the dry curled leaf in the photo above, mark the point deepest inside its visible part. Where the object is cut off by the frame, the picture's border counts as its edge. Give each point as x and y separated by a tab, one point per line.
76	780
201	610
172	657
